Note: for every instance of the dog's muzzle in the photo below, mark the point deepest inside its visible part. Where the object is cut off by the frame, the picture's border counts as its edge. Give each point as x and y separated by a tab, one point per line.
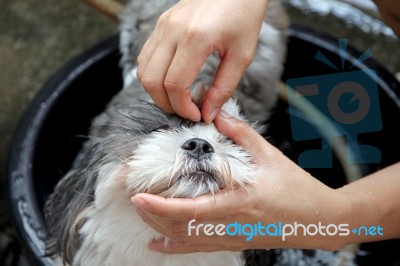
198	148
199	153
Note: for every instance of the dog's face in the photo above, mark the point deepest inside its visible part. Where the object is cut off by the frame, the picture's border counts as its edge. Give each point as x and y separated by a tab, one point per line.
140	148
174	157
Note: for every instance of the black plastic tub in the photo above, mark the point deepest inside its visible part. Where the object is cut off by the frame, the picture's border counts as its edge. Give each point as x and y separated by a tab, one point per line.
50	134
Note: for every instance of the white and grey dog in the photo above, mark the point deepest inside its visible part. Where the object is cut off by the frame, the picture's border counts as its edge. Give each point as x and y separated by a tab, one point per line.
136	147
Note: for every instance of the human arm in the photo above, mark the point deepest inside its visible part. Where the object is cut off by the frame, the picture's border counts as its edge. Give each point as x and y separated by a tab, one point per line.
184	37
284	193
375	201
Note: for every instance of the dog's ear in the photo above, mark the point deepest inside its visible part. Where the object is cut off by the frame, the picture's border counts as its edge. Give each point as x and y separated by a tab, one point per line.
65	206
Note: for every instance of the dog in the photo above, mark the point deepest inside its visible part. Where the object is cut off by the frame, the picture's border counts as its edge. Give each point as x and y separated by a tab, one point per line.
136	147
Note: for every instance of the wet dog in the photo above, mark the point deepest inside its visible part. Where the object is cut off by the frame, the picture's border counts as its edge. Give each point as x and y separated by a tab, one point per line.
136	147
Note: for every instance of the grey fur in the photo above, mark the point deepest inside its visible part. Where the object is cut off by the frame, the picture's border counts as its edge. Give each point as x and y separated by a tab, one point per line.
115	139
123	128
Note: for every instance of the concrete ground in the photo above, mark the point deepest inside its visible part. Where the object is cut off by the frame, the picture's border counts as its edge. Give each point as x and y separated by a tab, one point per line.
38	36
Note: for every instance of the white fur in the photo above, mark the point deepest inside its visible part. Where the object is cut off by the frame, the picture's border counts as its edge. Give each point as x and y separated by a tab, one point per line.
114	234
153	163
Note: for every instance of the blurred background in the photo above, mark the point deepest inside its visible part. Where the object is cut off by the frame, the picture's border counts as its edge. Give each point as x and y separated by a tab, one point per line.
37	37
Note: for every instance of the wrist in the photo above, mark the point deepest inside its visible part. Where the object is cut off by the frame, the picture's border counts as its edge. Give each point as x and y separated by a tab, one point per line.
338	213
318	221
333	220
364	216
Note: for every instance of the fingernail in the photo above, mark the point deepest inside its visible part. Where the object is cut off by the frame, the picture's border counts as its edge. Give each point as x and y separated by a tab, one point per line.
224	114
139	203
213	114
197	117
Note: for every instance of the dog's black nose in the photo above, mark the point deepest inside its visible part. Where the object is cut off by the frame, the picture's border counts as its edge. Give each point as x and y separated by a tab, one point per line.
198	148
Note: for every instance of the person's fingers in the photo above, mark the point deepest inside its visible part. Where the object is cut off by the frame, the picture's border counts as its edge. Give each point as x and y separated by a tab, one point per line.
153	62
201	208
182	104
186	64
229	72
179	231
145	55
190	232
172	229
153	77
146	217
151	44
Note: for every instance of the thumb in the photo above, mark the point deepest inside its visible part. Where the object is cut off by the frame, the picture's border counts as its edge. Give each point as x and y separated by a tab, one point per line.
243	134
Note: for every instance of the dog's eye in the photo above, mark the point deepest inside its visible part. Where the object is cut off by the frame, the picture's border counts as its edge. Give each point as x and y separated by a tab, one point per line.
162	128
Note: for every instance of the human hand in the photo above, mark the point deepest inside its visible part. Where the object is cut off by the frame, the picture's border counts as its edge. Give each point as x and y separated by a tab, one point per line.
283	193
182	40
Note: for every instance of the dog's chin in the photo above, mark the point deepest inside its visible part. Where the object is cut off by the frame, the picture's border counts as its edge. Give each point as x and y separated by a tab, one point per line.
185	185
188	178
203	177
193	184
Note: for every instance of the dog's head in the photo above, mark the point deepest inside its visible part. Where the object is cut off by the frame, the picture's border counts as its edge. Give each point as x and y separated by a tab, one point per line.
140	148
174	157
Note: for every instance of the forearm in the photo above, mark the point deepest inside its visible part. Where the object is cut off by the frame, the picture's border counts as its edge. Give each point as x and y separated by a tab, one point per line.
369	206
374	201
